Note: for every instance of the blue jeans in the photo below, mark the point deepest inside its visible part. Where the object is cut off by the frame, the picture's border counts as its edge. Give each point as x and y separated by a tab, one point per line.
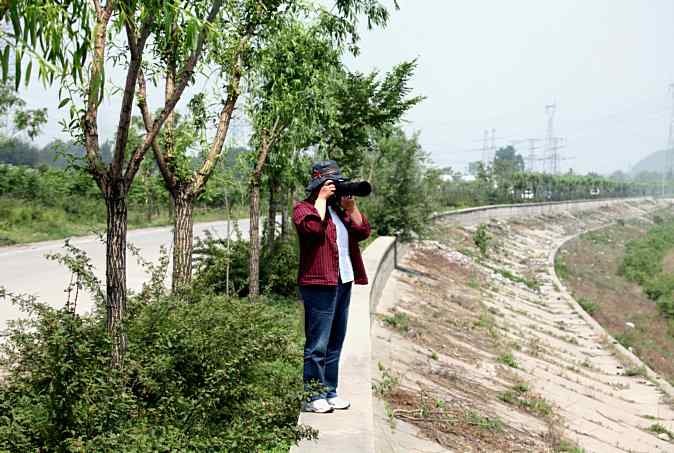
326	310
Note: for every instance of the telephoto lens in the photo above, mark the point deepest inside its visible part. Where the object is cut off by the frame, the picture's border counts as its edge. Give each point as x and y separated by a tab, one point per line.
358	189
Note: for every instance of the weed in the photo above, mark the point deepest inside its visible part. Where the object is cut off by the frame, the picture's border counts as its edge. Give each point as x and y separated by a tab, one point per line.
487	423
566	446
587	305
473	282
657	428
530	283
636	371
399	321
507	358
520	396
387	384
561	269
481	238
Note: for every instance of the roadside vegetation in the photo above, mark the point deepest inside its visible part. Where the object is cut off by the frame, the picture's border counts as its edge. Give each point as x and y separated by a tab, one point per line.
622	276
53	203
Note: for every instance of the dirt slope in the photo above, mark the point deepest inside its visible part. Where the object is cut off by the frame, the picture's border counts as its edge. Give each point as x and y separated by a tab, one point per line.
486	354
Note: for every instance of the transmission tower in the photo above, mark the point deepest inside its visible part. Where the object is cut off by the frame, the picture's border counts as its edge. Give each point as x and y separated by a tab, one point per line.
549	164
531	158
485	144
492	147
669	153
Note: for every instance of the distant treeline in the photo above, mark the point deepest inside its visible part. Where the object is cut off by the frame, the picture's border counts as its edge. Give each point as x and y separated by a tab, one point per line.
55	154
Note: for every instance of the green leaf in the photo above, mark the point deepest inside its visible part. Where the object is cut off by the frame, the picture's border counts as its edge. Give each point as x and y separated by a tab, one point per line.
14	17
63	103
28	71
5	63
17	70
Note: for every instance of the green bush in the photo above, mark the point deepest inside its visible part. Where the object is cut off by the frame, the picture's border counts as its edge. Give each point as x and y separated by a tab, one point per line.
278	266
215	375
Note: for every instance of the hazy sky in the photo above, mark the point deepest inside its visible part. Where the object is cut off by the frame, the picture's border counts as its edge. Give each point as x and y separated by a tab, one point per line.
485	64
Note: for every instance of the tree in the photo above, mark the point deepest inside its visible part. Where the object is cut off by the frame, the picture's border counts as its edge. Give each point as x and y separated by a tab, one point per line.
365	107
72	42
506	163
25	120
407	190
289	94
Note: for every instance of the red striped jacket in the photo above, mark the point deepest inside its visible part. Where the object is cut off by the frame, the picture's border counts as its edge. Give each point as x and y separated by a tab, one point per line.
319	257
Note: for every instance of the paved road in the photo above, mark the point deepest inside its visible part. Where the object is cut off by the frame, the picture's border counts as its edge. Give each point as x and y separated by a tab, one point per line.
24	268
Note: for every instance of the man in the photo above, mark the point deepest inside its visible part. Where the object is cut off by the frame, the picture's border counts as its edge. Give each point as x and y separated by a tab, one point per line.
329	231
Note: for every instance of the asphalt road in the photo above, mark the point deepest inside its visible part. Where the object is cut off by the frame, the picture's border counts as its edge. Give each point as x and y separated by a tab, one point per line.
24	268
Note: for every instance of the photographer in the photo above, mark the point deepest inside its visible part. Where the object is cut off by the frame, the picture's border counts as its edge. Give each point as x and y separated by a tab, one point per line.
329	226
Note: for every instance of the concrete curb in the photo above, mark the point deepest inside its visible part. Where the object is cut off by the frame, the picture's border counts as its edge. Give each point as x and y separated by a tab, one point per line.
470	216
352	430
665	386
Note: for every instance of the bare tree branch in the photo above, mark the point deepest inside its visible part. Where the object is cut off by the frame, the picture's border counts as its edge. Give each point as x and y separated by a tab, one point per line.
147	121
136	47
89	122
233	92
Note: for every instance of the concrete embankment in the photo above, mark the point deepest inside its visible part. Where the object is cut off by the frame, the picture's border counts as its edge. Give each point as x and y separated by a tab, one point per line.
499	347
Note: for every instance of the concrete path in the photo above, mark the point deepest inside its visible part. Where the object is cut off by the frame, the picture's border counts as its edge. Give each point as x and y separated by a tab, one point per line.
24	268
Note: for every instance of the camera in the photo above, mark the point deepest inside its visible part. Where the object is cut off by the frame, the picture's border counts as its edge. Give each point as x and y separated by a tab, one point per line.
358	189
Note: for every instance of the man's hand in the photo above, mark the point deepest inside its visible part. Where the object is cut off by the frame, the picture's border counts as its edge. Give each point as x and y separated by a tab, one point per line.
327	190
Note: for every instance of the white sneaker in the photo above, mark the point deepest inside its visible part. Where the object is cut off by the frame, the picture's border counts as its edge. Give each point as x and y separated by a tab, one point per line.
320	406
339	403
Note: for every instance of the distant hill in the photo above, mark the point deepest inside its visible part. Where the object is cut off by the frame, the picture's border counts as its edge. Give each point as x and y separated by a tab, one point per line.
654	162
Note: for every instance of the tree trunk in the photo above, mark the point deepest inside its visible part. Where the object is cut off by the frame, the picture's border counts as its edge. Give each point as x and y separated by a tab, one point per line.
274	192
115	272
229	235
254	238
182	238
284	214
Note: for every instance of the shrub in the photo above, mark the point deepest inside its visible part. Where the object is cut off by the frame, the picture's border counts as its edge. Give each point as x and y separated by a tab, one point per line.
481	238
278	274
219	374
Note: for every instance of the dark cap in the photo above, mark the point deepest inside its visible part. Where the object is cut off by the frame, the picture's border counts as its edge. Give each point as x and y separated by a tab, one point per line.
324	170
